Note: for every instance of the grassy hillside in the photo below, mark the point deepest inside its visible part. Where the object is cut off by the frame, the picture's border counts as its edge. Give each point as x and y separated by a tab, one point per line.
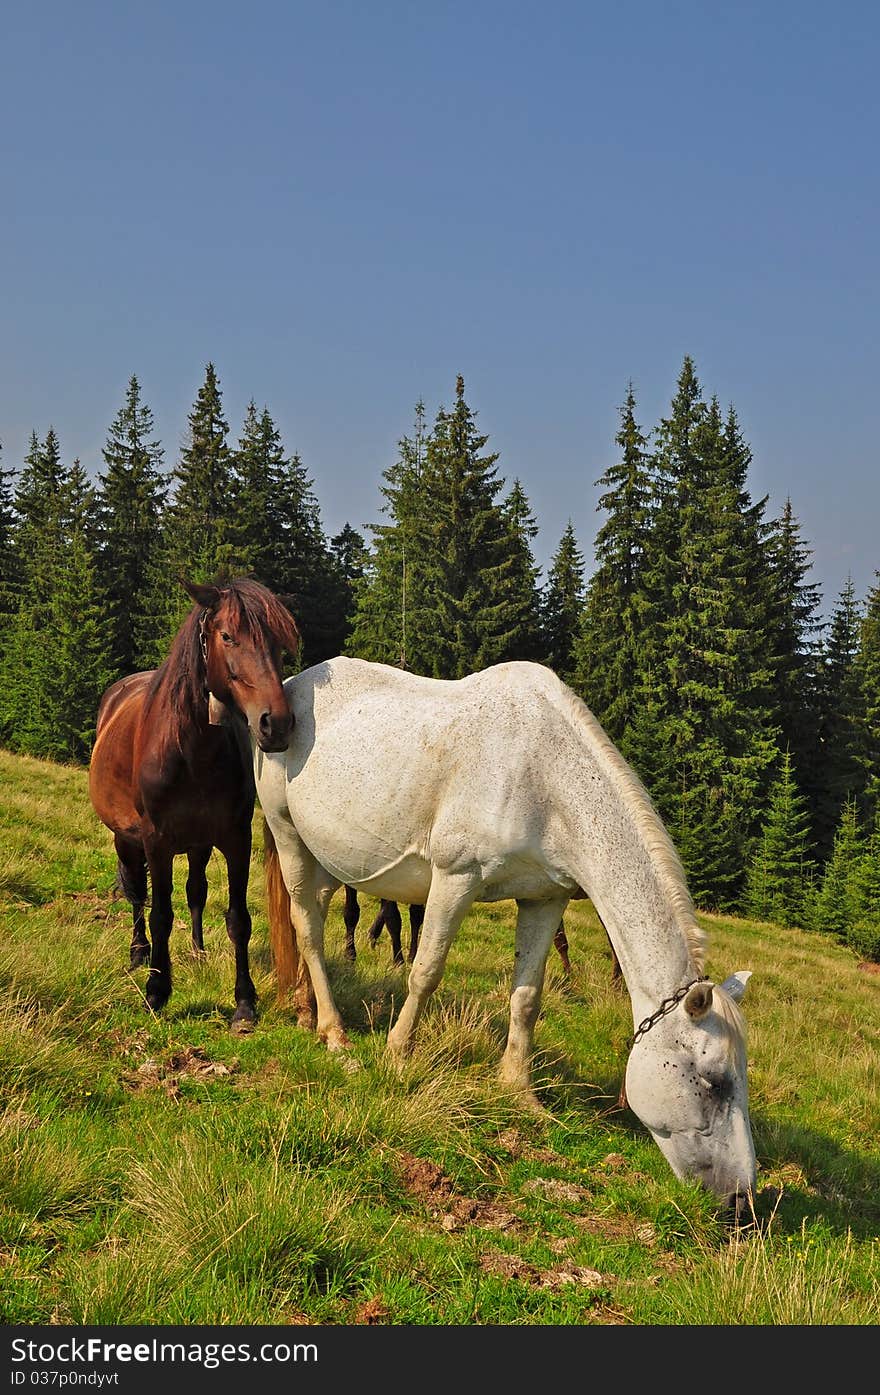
163	1170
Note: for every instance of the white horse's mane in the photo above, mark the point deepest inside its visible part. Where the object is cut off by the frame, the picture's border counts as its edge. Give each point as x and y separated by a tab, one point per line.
650	825
662	850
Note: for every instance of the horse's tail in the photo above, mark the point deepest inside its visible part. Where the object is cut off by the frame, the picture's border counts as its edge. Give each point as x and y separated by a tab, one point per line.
282	937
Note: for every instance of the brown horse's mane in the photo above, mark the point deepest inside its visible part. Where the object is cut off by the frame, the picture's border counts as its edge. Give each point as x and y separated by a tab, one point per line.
179	683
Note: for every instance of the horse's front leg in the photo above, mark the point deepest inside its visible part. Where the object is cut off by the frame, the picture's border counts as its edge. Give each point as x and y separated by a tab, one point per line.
448	900
197	894
161	863
238	927
536	925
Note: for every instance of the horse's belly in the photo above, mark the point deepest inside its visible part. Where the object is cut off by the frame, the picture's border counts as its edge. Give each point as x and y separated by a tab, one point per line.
408	880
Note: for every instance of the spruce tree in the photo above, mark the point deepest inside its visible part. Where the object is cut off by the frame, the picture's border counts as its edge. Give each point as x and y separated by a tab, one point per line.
130	502
796	630
38	514
8	566
708	654
781	868
562	602
836	906
868	675
349	559
843	772
80	638
392	621
203	502
610	658
464	546
520	585
57	661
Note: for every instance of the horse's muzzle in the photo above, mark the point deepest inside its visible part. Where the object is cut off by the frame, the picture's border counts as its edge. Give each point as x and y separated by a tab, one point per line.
273	732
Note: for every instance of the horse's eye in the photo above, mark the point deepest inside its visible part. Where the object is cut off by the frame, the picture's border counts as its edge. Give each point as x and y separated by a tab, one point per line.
226	638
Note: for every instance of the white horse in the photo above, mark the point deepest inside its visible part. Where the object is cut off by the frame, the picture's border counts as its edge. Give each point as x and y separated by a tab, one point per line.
498	786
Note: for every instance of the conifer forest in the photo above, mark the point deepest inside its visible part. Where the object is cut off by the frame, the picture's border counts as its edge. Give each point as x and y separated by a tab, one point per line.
689	623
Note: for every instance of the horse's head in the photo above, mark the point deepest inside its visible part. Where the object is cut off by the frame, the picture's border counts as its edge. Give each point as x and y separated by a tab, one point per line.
686	1081
242	630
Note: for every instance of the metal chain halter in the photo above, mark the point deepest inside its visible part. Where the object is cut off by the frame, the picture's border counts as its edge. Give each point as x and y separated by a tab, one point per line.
666	1006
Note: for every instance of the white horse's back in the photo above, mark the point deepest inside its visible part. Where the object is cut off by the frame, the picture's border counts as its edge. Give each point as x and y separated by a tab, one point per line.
450	774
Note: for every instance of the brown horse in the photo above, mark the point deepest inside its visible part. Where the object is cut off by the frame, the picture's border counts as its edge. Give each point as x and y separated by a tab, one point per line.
172	768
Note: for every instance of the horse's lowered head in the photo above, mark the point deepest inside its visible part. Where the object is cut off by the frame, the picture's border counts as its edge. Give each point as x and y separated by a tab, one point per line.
242	630
686	1081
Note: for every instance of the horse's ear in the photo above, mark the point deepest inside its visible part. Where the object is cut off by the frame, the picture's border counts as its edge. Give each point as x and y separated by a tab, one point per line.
698	1000
735	986
206	596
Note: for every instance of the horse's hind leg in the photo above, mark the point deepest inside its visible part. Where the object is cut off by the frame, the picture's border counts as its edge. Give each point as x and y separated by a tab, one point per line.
161	864
132	879
536	923
351	915
394	925
238	928
197	894
416	920
560	939
378	924
448	900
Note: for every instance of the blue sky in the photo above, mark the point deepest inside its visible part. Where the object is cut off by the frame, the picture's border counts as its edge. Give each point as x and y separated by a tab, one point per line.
343	206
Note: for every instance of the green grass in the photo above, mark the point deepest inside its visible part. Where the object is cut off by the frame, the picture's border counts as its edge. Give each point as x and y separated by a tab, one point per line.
162	1170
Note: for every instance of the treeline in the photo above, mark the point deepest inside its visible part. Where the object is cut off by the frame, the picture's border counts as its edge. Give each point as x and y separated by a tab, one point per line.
697	639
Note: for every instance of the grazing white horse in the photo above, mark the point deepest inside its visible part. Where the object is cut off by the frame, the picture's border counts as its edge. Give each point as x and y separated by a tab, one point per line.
498	786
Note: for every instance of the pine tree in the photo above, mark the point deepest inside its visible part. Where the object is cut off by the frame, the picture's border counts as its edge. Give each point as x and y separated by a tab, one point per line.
610	658
843	754
203	503
562	602
521	582
37	509
81	638
349	559
57	661
796	641
863	933
707	664
8	567
868	677
392	622
464	547
130	504
781	868
836	906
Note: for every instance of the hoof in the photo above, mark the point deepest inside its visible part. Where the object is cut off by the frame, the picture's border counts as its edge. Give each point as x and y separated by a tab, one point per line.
335	1039
139	957
156	995
244	1020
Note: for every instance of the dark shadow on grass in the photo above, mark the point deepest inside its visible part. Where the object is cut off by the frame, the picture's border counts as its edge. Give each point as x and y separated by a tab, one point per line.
23	889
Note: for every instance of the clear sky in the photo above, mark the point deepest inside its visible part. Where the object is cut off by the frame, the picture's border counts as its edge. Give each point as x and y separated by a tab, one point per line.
344	205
